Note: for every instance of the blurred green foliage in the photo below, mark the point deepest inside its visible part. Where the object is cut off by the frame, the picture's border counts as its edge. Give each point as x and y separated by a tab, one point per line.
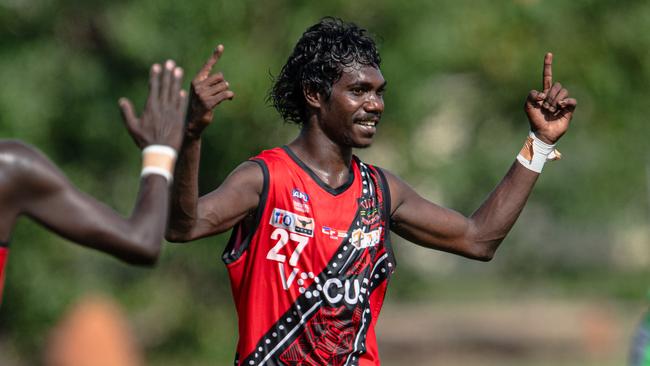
458	73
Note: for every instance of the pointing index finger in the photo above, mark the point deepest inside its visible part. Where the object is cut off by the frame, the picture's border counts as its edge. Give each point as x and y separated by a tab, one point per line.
205	70
548	72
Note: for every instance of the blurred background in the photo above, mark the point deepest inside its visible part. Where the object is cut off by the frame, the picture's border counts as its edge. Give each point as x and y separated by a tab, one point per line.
566	287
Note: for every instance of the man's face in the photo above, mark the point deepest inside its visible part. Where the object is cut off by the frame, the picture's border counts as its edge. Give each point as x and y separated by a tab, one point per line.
351	114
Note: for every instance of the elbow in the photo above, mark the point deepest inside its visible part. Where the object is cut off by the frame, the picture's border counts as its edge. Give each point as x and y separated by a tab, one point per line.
179	231
144	261
146	256
174	236
485	256
484	251
146	251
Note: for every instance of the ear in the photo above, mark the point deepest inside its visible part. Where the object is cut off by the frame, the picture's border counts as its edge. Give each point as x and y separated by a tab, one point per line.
312	97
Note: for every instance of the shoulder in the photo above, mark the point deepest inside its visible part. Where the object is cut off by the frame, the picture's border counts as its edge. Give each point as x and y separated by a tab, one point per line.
22	160
397	188
385	176
250	174
14	153
26	174
274	153
270	157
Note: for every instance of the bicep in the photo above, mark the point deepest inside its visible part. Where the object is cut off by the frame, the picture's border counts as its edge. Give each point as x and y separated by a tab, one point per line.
238	196
55	203
425	223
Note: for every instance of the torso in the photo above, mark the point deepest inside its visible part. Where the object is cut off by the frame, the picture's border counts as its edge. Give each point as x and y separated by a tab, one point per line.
310	271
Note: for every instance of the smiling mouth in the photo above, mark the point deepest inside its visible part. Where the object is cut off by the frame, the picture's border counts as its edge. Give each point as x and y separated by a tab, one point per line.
368	123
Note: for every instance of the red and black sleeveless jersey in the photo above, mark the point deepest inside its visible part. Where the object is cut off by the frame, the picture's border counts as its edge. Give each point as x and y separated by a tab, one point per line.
4	254
309	271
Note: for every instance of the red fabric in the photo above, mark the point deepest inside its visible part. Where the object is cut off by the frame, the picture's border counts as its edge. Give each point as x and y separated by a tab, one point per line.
4	254
310	284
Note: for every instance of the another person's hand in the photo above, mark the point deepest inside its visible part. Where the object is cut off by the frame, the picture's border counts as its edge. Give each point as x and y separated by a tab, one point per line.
162	122
206	93
549	111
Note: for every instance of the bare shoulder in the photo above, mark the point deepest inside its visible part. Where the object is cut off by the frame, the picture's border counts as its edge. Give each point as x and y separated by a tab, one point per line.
14	154
24	167
238	195
398	188
248	175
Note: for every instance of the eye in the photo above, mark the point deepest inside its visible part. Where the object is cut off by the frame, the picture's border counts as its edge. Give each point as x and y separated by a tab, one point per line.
357	91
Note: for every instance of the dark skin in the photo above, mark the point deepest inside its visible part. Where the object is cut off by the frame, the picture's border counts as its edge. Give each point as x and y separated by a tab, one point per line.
347	119
33	186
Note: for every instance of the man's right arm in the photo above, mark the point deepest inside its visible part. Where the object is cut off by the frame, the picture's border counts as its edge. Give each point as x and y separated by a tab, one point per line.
193	217
219	210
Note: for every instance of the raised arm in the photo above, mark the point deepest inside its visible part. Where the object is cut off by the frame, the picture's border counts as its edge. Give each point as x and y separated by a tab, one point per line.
478	236
43	192
188	211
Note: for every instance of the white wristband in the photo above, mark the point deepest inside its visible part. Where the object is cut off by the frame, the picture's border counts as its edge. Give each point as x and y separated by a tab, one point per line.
158	159
536	153
156	170
160	149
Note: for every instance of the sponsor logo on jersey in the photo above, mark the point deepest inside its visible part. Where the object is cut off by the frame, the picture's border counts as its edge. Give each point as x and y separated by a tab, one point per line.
300	200
369	212
292	222
347	290
301	207
361	239
300	195
333	233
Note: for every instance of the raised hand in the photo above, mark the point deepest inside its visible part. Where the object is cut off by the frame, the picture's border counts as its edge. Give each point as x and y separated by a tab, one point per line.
163	118
206	93
549	111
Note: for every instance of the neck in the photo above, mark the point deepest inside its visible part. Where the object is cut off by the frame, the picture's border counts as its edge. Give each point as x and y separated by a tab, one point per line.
328	159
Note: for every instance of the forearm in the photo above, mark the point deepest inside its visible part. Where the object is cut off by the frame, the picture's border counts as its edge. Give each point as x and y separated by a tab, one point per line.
135	240
80	218
147	223
185	191
490	224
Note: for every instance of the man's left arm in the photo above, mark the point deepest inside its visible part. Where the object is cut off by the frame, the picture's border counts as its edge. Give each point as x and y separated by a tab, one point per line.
478	236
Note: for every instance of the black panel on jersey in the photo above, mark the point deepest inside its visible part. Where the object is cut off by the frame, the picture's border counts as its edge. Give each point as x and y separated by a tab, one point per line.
316	178
4	245
383	185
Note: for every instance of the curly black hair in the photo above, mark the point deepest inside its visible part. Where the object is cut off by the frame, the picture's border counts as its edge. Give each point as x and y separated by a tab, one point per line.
317	62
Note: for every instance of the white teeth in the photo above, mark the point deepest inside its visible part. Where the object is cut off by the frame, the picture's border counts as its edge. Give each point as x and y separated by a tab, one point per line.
367	123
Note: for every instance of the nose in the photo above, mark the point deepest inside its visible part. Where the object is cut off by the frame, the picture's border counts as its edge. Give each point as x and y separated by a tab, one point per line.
374	103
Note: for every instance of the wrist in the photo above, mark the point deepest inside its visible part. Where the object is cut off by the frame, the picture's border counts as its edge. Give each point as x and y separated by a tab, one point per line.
543	138
194	128
536	152
160	160
192	135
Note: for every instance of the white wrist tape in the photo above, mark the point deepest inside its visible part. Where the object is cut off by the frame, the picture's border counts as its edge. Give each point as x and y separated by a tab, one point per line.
158	159
147	170
535	153
160	149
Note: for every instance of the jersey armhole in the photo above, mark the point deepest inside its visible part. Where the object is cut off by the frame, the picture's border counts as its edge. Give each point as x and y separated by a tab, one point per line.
243	232
385	189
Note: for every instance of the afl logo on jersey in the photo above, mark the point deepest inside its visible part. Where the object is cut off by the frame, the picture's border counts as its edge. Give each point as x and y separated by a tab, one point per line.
300	195
300	201
293	222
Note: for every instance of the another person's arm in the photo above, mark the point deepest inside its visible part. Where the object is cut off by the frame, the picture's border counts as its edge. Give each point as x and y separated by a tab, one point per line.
479	235
49	198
